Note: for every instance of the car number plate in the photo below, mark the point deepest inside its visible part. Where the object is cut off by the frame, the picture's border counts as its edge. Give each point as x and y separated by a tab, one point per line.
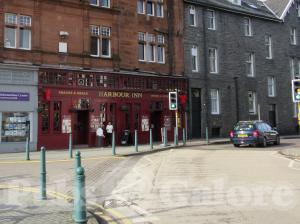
242	135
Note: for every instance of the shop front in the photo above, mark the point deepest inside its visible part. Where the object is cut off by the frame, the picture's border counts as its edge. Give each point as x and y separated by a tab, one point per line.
79	102
18	107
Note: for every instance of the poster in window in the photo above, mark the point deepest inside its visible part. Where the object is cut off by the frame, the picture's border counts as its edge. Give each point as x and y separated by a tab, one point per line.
145	123
66	124
95	122
168	122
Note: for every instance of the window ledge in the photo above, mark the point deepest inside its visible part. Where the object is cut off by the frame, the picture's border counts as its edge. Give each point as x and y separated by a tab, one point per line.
17	49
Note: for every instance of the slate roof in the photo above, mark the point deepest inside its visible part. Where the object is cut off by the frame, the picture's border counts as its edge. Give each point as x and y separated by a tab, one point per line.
249	7
279	7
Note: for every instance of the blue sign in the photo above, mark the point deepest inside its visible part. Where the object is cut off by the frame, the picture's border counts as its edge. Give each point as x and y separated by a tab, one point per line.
14	96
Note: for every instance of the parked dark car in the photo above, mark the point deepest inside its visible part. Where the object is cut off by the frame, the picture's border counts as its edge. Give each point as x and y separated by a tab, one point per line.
254	133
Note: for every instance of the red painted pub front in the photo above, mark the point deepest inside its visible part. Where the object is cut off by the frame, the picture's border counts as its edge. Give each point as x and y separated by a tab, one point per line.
81	101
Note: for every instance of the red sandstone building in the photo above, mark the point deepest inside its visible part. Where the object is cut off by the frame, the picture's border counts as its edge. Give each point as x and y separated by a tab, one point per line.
97	61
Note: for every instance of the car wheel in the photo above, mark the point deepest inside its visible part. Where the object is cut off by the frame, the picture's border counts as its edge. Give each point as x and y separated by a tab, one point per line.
277	142
264	143
236	145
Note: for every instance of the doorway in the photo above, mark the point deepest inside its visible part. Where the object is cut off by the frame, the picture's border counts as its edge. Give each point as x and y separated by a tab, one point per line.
156	125
196	113
272	115
82	128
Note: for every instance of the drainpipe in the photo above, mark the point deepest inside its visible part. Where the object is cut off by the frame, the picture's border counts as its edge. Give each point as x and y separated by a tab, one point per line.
237	104
206	80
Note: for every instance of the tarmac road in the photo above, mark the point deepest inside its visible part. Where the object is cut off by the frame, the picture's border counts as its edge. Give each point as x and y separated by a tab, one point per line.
210	184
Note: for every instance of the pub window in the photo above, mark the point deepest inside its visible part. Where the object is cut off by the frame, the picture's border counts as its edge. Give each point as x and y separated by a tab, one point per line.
56	116
101	81
45	117
85	80
17	31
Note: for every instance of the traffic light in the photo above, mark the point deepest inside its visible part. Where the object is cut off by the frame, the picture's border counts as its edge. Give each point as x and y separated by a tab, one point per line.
296	90
173	103
182	101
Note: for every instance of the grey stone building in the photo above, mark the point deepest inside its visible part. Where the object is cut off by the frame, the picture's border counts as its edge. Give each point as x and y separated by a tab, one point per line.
240	57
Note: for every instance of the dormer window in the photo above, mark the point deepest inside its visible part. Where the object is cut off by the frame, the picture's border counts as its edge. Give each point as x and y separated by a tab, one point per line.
236	2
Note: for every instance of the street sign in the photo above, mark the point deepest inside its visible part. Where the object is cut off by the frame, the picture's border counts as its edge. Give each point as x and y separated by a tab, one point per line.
173	102
296	90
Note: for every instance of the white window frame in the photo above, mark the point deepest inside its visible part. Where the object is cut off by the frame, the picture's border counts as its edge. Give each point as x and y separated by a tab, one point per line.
248	27
161	6
213	60
194	55
143	5
160	44
142	39
214	102
192	11
269	47
271	86
293	36
211	15
17	28
292	67
100	34
250	62
252	110
153	7
97	4
108	5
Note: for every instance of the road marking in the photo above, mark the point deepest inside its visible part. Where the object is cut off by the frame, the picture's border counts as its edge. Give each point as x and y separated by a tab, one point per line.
291	164
115	214
59	160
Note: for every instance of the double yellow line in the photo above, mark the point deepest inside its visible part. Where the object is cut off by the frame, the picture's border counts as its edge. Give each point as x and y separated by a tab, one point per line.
109	215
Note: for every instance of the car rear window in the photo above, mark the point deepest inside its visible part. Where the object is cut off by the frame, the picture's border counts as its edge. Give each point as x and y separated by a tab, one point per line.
244	127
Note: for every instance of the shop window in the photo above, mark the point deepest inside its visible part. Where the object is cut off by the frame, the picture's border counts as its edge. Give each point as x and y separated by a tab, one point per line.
85	80
45	117
56	116
15	126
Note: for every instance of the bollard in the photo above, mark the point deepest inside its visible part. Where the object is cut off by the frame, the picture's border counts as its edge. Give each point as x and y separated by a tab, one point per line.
175	136
113	144
80	212
165	137
77	160
43	174
206	135
70	146
27	149
151	140
183	136
136	141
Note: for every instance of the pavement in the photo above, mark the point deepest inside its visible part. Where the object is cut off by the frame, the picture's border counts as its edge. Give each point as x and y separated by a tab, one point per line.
19	193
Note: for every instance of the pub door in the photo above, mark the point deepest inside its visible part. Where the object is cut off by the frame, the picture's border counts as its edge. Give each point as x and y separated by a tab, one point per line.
81	128
156	125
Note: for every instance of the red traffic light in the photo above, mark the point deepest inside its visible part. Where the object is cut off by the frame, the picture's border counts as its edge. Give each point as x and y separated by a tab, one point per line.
182	98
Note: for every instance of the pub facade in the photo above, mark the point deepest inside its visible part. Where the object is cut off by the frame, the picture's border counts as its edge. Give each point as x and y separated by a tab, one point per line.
78	102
